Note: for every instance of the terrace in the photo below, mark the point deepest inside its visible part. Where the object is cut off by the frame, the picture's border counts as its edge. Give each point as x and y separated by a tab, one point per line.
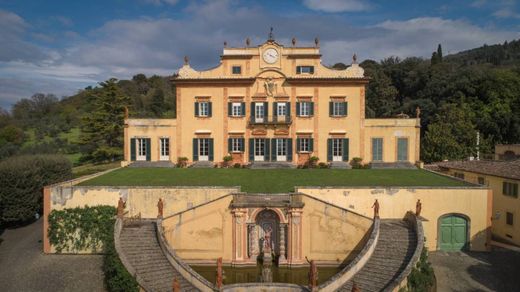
273	180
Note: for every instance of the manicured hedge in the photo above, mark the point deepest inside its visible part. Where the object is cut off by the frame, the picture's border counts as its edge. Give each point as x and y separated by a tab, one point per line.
22	179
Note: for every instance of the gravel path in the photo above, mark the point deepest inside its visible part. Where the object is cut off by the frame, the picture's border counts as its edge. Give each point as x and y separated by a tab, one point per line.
24	267
477	271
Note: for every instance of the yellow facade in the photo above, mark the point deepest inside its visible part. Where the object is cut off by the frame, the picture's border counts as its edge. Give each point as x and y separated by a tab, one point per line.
258	94
502	204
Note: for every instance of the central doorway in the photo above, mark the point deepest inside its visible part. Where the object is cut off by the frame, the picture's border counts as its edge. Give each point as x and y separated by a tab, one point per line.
337	149
259	149
203	149
281	149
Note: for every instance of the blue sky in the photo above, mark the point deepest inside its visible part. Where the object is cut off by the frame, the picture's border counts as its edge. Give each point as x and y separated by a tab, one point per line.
62	46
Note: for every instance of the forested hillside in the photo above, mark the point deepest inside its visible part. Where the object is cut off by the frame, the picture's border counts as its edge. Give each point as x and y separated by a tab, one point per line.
458	95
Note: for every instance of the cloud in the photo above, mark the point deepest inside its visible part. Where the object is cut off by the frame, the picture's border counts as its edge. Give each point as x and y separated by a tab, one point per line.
161	2
478	3
14	47
506	13
337	5
122	48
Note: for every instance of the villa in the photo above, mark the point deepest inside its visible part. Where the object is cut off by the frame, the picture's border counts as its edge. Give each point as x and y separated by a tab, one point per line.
271	103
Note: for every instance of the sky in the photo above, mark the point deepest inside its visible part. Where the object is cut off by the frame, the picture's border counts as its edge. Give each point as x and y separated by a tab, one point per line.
60	47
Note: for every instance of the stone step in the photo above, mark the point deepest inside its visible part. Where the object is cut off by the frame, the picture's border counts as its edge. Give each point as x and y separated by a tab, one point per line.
152	164
271	165
141	248
393	251
340	165
202	164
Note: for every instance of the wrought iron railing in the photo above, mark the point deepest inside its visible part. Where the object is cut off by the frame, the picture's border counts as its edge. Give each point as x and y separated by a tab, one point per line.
267	120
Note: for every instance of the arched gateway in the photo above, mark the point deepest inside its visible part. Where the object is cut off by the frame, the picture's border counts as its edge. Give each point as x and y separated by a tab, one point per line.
267	227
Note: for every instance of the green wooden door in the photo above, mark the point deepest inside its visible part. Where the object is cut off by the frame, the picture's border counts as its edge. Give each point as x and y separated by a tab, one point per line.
453	233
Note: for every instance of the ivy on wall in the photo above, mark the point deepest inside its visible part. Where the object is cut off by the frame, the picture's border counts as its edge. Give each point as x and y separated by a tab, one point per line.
91	228
422	277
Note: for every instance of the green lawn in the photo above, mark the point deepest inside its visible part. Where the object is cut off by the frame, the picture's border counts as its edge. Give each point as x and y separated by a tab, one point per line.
91	168
269	181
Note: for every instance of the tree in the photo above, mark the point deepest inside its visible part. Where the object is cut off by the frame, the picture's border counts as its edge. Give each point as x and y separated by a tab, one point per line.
451	136
158	106
439	53
102	129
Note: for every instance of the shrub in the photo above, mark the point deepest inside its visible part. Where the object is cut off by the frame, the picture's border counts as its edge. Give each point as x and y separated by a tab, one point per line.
356	162
313	161
227	160
91	227
182	162
323	165
22	179
237	165
421	277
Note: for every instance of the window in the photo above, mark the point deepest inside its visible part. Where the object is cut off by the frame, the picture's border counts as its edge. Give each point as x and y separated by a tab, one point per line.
509	218
510	189
458	175
236	145
481	180
305	109
203	109
377	149
236	109
281	109
338	108
402	149
304	69
236	70
165	146
304	144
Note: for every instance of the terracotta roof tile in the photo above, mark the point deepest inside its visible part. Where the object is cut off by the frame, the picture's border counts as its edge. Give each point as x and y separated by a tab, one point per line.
506	169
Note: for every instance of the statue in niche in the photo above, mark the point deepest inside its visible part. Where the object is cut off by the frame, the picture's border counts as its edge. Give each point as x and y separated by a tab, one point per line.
270	87
267	240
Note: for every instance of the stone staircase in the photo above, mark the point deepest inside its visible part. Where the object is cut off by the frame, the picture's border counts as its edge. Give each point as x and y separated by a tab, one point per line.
271	165
392	165
152	164
202	164
394	250
142	250
340	165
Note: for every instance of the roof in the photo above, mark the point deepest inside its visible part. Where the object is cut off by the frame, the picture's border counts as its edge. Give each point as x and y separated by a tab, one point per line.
501	168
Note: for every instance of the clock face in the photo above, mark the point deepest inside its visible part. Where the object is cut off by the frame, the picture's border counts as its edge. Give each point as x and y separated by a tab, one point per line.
270	56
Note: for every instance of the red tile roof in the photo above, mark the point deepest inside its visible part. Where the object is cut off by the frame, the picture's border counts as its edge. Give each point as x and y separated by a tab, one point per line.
506	169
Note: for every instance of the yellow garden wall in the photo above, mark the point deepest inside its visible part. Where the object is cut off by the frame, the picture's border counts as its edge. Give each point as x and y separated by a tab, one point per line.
501	205
202	234
330	234
474	202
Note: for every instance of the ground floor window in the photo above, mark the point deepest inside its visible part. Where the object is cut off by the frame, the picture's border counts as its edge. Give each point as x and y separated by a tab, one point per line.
458	175
337	149
235	145
509	218
164	148
402	149
377	149
202	149
304	144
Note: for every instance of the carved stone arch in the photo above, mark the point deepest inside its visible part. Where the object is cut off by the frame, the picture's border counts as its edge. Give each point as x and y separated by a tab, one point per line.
281	216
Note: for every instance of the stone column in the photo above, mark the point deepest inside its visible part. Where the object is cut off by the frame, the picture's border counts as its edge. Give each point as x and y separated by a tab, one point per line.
295	236
239	234
282	244
253	242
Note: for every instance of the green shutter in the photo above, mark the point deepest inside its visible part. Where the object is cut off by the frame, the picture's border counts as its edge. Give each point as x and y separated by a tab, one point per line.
132	149
298	145
311	144
298	109
210	149
209	109
252	113
331	108
266	109
289	149
402	149
251	149
345	149
229	146
504	188
195	149
312	109
298	69
329	149
275	112
267	147
345	108
312	69
242	108
241	144
288	108
273	149
196	109
148	149
230	109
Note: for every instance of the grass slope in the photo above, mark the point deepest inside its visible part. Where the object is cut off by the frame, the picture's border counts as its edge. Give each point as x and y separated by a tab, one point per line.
269	181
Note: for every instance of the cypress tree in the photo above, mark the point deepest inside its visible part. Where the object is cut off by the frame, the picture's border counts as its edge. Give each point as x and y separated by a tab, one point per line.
439	53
